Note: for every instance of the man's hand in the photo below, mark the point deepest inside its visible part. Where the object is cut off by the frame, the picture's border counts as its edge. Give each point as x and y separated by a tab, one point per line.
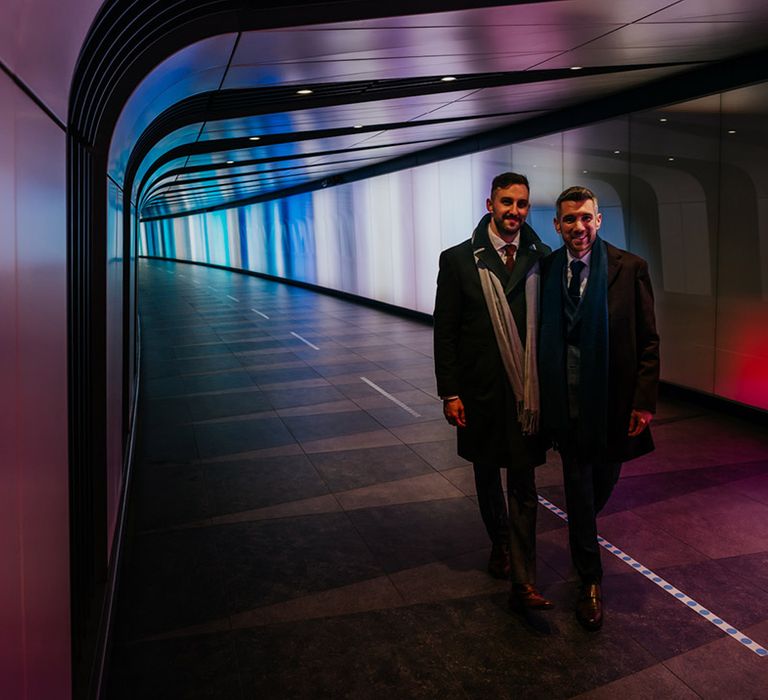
639	421
453	410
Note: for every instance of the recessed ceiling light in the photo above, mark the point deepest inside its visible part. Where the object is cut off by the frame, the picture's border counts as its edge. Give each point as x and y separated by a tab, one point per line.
670	159
731	131
304	92
229	162
448	78
585	171
663	119
255	138
576	67
616	153
357	126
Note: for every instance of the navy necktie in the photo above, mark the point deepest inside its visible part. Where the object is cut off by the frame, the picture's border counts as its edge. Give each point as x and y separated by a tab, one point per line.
574	287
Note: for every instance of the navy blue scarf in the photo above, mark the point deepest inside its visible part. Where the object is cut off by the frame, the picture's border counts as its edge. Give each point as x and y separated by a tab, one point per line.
589	435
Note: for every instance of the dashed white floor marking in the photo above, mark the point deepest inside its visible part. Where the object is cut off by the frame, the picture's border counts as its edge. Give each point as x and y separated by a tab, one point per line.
304	340
668	587
393	399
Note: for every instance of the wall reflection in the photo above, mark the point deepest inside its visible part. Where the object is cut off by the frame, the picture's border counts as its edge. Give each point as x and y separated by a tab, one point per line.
683	186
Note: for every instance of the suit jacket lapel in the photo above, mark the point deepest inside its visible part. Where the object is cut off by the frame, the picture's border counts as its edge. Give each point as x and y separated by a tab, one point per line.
614	263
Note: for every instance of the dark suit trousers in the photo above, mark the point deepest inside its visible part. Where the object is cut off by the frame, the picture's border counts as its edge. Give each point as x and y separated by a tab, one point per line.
513	521
588	487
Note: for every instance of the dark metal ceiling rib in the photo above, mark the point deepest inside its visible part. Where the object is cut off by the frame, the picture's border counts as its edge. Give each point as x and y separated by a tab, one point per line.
237	103
244	142
698	82
238	176
192	169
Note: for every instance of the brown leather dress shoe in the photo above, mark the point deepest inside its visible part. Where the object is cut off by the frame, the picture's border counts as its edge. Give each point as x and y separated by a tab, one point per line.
498	564
589	607
525	596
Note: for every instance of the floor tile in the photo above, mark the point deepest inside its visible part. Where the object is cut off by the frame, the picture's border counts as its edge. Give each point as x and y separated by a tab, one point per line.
286	398
287	509
373	594
724	668
427	487
740	524
429	431
200	383
356	441
441	454
652	682
316	427
234	403
203	667
215	439
250	484
350	469
404	536
270	561
367	655
169	495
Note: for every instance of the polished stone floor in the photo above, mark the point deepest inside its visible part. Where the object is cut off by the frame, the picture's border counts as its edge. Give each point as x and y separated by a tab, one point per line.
300	526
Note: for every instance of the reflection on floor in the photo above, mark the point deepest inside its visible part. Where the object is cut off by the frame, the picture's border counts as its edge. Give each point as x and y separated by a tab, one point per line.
302	527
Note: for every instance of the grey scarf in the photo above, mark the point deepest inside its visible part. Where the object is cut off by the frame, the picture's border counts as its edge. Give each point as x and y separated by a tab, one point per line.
519	364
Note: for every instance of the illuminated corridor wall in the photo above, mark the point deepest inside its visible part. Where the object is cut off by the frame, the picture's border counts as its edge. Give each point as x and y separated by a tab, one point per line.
684	186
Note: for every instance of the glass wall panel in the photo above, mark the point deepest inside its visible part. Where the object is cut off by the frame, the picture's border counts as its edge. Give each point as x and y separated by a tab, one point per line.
673	225
741	372
541	160
597	156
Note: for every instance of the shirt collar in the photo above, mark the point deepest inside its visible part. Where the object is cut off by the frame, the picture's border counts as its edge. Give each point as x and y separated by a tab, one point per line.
498	243
585	258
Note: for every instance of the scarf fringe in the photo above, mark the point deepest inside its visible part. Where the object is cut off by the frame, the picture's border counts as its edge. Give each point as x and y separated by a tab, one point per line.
529	419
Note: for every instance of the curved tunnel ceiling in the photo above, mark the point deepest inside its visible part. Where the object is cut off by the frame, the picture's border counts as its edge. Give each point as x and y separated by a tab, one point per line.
222	122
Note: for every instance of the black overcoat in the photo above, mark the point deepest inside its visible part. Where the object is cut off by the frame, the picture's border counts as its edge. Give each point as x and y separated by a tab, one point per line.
467	359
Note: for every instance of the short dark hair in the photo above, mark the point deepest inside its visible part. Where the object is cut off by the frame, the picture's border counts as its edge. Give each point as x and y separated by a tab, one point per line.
504	180
577	193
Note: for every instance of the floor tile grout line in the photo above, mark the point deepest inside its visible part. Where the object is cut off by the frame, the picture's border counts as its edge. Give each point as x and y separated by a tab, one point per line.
668	587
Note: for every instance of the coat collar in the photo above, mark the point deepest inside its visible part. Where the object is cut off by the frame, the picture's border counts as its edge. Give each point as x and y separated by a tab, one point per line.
528	253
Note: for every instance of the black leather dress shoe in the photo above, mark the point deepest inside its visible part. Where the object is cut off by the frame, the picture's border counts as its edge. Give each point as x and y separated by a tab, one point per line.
589	607
498	564
525	596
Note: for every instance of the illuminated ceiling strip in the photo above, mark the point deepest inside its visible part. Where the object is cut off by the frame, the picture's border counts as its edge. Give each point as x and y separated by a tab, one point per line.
394	400
256	311
669	588
232	298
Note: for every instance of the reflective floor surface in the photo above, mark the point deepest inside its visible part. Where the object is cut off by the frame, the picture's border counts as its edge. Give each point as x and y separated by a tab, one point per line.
301	526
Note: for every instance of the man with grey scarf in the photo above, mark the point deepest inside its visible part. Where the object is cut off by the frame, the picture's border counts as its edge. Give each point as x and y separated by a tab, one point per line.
486	314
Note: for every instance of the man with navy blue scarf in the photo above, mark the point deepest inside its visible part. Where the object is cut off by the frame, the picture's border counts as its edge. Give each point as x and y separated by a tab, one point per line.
599	371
